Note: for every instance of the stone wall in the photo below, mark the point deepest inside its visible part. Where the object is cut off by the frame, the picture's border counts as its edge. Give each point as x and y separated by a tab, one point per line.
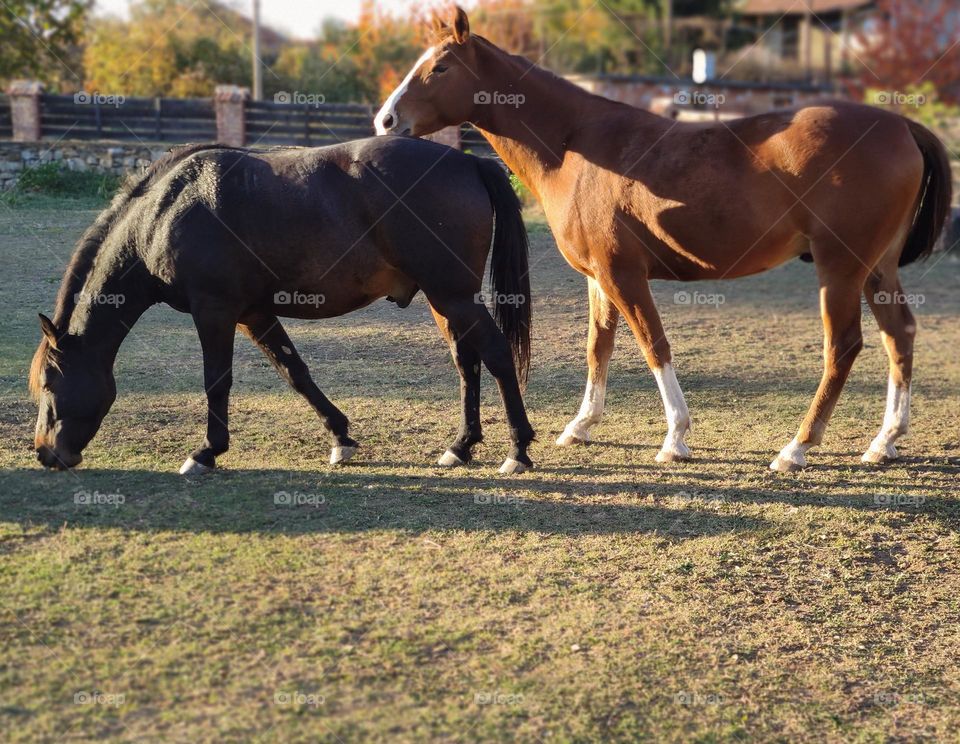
117	158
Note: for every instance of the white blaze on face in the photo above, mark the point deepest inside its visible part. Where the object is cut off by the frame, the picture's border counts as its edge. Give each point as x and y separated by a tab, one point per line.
389	108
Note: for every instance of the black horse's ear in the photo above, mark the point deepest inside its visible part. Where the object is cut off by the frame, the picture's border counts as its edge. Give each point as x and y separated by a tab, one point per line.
49	330
461	26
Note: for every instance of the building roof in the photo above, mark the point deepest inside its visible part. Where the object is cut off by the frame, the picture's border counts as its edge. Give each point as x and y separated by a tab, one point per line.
798	7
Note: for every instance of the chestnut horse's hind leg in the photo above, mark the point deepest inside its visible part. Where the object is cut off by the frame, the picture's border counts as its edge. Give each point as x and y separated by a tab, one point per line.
898	328
467	361
215	328
633	297
472	323
840	289
600	340
267	333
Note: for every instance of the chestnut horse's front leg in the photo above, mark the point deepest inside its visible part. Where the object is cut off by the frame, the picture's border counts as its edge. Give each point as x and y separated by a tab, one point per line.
600	341
215	326
632	295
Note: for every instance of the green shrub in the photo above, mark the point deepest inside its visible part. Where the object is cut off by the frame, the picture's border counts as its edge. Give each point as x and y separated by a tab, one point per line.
53	179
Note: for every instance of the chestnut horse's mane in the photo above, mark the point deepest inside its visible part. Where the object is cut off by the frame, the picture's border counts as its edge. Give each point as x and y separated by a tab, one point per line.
88	247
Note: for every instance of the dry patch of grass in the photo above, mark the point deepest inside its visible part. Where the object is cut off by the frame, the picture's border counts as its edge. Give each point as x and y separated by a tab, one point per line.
599	597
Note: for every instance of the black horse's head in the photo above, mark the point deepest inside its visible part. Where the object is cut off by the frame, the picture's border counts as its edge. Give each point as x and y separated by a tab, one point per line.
74	388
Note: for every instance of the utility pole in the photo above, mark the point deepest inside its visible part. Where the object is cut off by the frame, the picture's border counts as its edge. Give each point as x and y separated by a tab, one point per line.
257	71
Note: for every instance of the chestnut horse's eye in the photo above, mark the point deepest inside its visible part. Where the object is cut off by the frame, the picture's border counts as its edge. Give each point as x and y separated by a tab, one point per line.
438	69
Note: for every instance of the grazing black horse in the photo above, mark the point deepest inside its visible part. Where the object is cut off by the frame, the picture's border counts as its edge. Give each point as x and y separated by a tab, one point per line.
237	238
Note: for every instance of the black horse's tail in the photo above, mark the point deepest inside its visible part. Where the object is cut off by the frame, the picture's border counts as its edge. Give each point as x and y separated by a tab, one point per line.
509	272
933	209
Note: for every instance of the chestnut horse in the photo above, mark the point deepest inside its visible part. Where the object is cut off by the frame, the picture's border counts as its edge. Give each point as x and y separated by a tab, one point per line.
237	238
631	196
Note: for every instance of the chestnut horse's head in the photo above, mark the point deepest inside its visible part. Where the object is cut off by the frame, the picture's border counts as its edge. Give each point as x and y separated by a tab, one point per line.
441	89
74	388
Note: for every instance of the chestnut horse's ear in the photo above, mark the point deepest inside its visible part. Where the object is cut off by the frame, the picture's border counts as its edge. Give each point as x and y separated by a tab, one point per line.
461	26
49	330
437	26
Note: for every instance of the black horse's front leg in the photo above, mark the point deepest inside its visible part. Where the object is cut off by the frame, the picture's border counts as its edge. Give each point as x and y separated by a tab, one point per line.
216	331
467	361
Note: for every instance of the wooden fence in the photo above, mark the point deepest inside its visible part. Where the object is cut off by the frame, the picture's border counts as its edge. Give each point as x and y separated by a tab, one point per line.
6	121
174	121
84	117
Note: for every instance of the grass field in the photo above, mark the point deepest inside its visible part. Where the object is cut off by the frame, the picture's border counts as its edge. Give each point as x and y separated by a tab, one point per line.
599	597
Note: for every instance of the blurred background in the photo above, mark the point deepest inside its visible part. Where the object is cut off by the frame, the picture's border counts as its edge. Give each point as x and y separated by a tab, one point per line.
290	72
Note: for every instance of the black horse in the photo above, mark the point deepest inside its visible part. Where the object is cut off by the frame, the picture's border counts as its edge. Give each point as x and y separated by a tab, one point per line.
237	238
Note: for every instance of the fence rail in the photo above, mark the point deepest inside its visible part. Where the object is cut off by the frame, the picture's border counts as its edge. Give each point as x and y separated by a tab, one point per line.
273	123
6	119
136	119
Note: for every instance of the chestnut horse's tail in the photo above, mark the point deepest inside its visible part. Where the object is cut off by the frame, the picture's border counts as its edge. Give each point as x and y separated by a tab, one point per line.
935	196
509	272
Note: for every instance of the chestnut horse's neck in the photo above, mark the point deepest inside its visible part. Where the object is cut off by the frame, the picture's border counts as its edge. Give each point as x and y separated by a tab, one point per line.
531	134
105	291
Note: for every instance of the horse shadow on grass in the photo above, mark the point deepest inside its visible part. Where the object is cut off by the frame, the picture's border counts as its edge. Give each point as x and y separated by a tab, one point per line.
358	499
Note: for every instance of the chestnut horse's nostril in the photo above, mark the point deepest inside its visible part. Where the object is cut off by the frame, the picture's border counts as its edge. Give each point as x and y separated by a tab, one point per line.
388	121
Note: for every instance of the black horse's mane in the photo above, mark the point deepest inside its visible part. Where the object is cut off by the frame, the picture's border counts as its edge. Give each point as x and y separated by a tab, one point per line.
89	244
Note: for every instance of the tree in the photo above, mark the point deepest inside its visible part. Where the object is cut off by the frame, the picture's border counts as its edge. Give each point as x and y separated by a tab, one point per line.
910	42
38	39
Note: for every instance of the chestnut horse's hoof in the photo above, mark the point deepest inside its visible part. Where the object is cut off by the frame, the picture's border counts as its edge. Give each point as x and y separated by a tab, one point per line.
341	453
875	457
513	467
192	467
449	460
783	465
573	435
678	453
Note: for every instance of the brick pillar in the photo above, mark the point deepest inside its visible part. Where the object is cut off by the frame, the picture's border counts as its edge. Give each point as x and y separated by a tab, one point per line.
25	109
231	119
449	136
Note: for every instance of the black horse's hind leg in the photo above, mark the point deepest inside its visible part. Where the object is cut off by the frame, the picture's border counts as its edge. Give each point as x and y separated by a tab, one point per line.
467	361
472	323
267	333
216	331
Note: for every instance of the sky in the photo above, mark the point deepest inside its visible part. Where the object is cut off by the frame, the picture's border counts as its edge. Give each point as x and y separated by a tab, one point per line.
297	18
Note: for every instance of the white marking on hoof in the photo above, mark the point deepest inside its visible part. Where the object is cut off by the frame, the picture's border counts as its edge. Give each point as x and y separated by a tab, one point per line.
340	454
513	467
449	460
674	452
573	435
879	457
589	415
791	458
192	467
896	421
